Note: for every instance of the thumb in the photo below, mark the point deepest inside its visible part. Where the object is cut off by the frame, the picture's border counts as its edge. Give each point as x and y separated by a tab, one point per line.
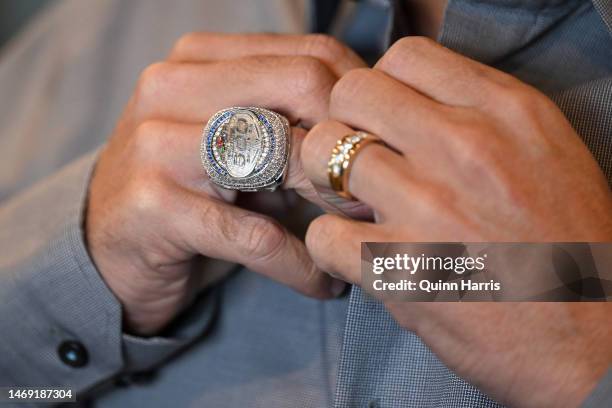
220	230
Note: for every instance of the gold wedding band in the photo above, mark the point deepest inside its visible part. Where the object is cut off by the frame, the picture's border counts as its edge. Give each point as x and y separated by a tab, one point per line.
342	157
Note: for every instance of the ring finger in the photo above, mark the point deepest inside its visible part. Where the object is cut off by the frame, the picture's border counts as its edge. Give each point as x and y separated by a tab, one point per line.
175	148
375	174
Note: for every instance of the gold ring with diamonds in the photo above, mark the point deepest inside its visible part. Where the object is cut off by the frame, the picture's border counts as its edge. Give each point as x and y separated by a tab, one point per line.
342	157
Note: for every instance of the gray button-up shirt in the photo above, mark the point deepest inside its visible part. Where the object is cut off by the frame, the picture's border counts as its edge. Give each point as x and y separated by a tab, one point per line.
247	341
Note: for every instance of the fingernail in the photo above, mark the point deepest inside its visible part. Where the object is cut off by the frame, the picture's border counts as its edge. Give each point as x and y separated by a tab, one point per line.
337	287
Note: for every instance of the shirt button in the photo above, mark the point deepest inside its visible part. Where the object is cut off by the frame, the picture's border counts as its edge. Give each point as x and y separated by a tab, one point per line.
72	353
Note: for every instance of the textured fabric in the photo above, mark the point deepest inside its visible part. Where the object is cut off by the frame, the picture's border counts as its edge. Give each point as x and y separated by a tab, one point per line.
604	8
588	108
560	47
383	365
268	346
50	290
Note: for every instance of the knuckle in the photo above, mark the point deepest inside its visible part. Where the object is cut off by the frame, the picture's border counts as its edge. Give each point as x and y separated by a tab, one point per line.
318	237
147	138
144	196
410	45
400	54
350	85
151	81
324	46
313	79
264	237
469	142
515	98
477	152
148	129
473	156
185	43
391	61
415	43
525	110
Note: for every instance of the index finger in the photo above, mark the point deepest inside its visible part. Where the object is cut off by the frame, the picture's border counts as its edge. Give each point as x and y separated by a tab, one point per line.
201	47
219	230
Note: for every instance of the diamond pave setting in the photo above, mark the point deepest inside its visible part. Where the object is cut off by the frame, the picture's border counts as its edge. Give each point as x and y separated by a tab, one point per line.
341	154
246	148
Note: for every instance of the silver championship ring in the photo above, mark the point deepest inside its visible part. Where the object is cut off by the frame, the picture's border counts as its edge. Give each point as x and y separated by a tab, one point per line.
246	148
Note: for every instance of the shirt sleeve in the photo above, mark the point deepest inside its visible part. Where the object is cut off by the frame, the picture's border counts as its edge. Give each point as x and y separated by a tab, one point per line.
60	325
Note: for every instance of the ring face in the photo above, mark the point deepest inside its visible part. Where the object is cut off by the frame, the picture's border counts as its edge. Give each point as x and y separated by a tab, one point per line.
246	148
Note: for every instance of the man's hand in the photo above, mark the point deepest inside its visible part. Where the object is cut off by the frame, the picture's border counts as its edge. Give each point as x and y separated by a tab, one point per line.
151	211
473	155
